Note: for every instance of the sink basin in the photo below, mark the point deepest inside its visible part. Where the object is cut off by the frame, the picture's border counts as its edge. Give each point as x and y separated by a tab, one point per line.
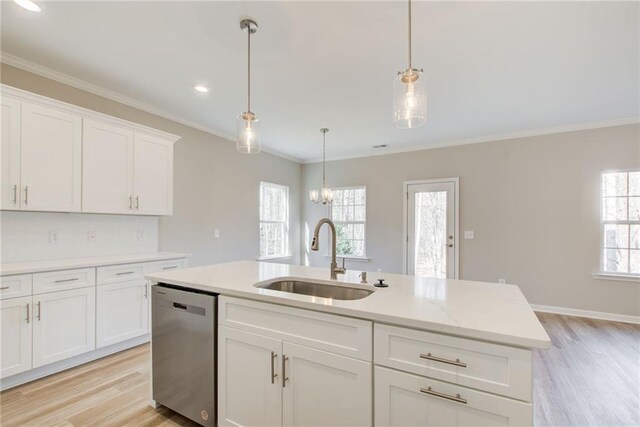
317	289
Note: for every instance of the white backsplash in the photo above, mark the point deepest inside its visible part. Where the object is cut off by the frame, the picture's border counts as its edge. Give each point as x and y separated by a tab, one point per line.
25	235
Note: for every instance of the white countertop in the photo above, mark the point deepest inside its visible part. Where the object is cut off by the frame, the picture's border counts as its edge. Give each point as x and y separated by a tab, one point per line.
68	263
484	311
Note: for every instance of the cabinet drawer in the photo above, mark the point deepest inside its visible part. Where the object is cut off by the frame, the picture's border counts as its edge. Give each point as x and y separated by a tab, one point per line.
410	400
172	264
120	273
15	286
62	280
335	334
495	368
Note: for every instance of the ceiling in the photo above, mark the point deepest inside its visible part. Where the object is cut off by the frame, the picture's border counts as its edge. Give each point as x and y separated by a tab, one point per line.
494	69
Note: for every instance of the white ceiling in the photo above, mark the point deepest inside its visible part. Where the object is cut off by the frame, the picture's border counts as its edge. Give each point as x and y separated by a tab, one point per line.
494	69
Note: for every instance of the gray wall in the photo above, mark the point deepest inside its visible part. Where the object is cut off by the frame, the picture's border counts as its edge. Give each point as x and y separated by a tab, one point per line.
533	204
214	186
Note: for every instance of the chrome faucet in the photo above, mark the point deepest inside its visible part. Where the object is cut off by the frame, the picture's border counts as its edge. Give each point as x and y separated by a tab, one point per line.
335	270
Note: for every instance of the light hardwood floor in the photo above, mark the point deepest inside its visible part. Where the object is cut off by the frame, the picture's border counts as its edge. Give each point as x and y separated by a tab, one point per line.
591	376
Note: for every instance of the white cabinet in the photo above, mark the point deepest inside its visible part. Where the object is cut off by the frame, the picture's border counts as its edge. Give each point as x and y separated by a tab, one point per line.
249	379
403	399
122	311
63	325
15	336
107	168
325	389
10	154
50	159
152	175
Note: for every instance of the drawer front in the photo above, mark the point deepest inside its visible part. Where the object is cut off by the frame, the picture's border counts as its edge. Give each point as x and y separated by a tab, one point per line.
172	264
491	367
53	281
15	286
120	273
410	400
335	334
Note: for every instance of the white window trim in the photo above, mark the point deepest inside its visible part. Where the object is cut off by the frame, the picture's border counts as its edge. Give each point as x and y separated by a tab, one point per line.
287	253
364	257
610	275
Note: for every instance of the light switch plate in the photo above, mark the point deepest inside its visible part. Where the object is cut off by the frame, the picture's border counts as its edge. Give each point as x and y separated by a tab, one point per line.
468	235
216	233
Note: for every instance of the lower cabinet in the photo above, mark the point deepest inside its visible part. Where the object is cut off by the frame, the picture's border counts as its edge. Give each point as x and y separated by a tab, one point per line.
63	325
15	336
264	381
122	311
403	399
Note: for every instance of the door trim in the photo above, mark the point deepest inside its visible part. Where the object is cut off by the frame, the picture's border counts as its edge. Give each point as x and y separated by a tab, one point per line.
456	215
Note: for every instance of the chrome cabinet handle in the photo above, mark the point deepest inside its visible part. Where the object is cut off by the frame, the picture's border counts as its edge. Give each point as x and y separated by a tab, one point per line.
124	272
28	320
170	268
15	194
39	316
66	280
131	202
138	202
456	362
273	368
26	194
284	371
4	287
455	398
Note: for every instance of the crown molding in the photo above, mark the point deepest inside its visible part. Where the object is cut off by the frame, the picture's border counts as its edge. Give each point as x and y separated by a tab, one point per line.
40	70
489	138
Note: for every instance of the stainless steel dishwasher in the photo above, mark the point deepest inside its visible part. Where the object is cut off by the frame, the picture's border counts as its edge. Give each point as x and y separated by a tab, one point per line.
183	352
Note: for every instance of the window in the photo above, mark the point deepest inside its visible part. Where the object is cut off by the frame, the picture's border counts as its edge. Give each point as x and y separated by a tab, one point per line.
620	226
274	220
348	213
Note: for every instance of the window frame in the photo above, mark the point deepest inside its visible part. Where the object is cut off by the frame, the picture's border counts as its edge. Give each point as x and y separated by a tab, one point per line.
287	236
364	256
602	273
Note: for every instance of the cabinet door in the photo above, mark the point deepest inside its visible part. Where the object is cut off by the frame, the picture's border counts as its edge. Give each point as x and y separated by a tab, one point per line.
107	168
50	159
10	153
122	312
249	382
325	389
15	336
409	400
152	175
63	325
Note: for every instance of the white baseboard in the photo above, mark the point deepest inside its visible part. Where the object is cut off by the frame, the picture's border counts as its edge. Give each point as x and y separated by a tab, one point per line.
586	313
43	371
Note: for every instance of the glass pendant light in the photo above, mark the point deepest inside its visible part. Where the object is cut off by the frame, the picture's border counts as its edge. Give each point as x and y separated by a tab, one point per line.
325	195
409	94
248	125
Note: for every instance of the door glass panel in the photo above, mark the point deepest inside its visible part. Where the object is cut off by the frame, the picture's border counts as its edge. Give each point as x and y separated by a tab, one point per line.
430	225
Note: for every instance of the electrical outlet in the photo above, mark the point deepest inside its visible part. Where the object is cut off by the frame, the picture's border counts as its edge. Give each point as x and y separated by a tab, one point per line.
92	237
468	235
502	281
54	236
141	235
216	233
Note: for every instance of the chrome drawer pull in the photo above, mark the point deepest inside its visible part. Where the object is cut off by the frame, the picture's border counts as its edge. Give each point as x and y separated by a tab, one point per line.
15	194
456	362
170	268
455	398
274	375
124	272
284	371
39	304
28	317
4	287
67	280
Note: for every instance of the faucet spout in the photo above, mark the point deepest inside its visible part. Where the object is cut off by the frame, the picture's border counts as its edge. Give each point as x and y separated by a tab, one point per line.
335	270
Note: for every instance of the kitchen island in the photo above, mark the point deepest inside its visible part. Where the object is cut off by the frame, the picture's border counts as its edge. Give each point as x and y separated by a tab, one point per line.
421	351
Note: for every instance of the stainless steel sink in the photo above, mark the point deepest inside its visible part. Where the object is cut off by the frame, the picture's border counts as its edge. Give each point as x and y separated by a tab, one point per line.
317	289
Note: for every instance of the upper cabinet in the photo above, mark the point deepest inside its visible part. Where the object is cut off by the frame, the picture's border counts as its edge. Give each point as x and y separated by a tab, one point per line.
61	158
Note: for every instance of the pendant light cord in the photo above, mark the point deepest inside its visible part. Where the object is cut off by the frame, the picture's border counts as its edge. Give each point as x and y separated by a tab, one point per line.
248	68
324	134
409	34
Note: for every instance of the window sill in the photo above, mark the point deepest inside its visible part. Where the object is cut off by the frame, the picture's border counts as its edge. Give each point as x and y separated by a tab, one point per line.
350	258
275	257
617	276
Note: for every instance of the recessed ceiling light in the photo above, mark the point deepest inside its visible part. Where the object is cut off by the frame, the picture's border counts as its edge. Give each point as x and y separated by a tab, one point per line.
28	4
201	88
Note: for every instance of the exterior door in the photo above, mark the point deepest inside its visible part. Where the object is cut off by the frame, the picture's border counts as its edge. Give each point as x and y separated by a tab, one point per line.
152	175
107	168
10	155
432	228
63	325
15	336
122	311
249	381
325	389
50	159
